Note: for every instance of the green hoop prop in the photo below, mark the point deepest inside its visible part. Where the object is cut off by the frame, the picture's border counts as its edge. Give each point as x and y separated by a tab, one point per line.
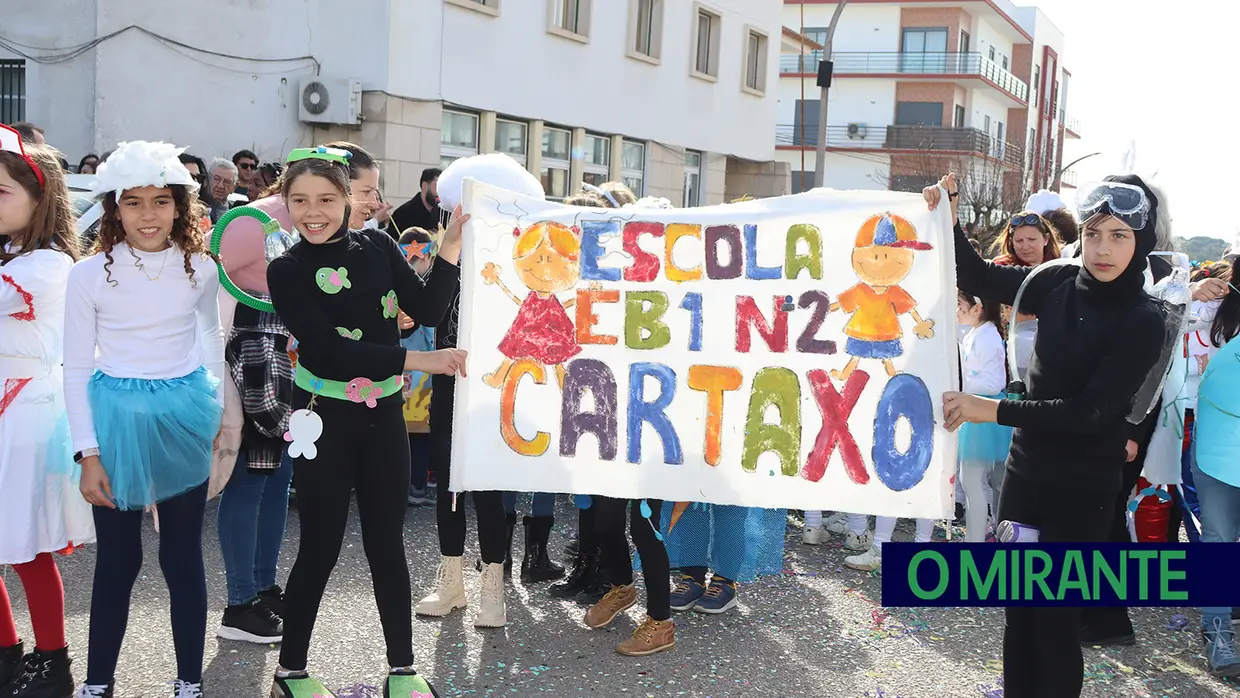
270	227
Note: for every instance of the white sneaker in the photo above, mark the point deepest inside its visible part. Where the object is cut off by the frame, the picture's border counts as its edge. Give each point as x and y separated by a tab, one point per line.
859	541
184	689
868	561
836	523
491	610
449	593
814	535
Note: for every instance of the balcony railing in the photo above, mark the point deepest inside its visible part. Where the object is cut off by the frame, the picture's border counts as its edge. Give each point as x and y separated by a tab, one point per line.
903	63
925	138
1068	178
1071	123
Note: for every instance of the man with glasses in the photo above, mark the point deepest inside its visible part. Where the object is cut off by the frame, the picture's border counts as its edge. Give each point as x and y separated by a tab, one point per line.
246	163
223	183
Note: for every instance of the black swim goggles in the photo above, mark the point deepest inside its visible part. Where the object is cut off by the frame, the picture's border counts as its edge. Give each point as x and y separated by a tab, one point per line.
1123	201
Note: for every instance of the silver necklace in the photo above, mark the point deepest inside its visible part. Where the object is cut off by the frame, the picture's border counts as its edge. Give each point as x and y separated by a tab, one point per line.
137	262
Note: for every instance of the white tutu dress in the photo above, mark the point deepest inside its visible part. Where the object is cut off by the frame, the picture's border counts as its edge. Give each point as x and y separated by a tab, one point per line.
41	509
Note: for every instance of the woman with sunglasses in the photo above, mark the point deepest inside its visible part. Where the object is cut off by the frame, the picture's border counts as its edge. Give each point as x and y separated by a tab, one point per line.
1100	334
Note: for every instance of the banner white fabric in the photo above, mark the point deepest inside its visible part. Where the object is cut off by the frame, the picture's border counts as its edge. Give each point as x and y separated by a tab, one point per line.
787	352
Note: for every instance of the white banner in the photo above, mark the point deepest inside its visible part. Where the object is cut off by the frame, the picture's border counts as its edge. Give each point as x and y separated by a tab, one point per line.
787	352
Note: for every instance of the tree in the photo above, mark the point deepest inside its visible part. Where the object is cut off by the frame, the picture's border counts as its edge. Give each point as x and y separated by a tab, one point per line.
1201	248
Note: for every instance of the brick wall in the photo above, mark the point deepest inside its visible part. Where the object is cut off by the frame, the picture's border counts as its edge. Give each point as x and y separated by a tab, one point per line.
954	18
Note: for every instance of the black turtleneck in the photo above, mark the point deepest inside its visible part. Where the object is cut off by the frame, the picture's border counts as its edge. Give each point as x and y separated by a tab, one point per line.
374	267
1096	343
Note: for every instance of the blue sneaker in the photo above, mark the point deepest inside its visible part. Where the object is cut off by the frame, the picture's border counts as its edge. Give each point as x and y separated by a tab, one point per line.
1221	650
720	596
686	593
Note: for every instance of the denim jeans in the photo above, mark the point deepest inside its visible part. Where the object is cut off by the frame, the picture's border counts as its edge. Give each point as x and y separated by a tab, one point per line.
253	512
542	504
1220	523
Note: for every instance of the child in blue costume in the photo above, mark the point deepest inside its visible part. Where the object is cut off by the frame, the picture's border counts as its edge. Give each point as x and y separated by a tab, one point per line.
736	544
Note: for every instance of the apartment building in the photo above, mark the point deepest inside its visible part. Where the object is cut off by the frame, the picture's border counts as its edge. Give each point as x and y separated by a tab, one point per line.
920	86
677	98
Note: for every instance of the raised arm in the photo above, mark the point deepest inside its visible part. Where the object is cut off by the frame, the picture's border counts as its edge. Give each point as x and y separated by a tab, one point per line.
426	302
80	332
337	357
1108	394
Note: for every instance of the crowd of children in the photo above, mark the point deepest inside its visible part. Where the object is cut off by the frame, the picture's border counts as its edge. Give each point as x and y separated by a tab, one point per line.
339	370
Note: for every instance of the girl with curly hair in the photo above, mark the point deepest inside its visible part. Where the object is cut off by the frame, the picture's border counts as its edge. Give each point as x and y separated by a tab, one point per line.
144	351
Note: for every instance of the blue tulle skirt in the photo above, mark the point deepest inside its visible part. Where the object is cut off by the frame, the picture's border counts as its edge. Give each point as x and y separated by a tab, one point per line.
155	436
738	543
983	444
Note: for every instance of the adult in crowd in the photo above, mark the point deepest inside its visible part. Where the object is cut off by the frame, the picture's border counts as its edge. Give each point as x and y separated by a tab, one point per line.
197	169
224	178
422	211
246	163
363	183
29	132
88	164
263	181
1099	336
1054	209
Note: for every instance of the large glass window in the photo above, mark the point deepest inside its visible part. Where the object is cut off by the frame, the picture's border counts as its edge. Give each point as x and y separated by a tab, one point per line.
633	166
12	91
924	51
693	178
458	136
510	137
597	161
556	150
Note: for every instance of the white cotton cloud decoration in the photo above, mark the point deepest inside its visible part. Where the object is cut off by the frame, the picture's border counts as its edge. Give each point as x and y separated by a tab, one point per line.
1044	202
496	169
137	164
650	202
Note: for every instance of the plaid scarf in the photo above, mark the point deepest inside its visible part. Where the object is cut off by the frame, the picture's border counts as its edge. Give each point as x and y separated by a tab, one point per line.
257	355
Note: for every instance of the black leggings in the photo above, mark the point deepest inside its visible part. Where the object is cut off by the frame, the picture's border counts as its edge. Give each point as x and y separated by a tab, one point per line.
1113	621
492	524
117	564
367	450
1041	646
609	522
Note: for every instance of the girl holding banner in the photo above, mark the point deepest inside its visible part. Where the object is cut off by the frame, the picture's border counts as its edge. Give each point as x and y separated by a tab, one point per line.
1100	335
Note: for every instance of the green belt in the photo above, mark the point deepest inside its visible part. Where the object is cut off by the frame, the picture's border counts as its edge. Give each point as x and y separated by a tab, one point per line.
322	387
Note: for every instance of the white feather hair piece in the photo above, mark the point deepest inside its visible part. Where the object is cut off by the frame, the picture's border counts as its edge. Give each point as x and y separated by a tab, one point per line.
496	169
136	164
1044	202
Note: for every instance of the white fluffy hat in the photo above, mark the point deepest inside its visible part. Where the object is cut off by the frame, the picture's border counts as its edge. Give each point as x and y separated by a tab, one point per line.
137	164
1044	202
495	169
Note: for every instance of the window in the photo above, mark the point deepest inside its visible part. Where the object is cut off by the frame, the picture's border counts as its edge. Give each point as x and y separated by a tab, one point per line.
570	19
458	136
486	7
633	166
646	30
986	128
964	41
706	44
923	51
755	61
556	150
1005	62
992	53
693	178
12	91
1037	79
597	160
999	149
959	122
510	139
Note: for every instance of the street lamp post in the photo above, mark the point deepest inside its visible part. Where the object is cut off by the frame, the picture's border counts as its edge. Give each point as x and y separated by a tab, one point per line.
825	69
1068	166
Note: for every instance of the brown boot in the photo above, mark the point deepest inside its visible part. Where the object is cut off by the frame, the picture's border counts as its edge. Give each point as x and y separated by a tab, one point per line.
650	637
615	601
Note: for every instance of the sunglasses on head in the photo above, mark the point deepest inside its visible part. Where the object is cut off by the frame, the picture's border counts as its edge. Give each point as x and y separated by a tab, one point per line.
1028	219
416	249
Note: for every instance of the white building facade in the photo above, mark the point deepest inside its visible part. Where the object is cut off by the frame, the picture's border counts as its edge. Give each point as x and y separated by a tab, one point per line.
678	98
923	85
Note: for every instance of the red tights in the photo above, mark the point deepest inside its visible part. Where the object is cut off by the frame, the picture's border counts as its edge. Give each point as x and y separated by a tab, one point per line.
45	596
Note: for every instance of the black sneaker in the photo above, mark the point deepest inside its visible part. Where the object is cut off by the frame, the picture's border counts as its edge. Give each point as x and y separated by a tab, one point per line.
251	622
43	675
273	599
10	663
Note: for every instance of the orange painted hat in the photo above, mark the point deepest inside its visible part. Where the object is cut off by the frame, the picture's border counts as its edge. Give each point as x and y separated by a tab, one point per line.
889	230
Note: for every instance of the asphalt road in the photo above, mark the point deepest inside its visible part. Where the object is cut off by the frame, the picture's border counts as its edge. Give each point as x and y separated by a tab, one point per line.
816	630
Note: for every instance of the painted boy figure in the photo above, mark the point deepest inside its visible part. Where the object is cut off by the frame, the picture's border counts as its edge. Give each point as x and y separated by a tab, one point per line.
881	258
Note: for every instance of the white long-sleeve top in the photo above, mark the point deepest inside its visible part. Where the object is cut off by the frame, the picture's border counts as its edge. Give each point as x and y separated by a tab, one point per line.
135	327
1198	346
981	361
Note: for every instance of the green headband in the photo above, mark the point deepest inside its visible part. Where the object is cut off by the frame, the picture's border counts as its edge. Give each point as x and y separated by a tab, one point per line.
321	153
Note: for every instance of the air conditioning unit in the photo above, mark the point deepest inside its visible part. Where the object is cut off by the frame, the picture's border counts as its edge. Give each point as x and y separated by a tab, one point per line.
330	101
856	131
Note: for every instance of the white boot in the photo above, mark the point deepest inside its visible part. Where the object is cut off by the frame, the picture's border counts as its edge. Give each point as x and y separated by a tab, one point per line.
491	610
449	593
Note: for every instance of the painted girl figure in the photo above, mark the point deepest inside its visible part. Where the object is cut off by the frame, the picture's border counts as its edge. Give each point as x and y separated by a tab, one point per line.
546	260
